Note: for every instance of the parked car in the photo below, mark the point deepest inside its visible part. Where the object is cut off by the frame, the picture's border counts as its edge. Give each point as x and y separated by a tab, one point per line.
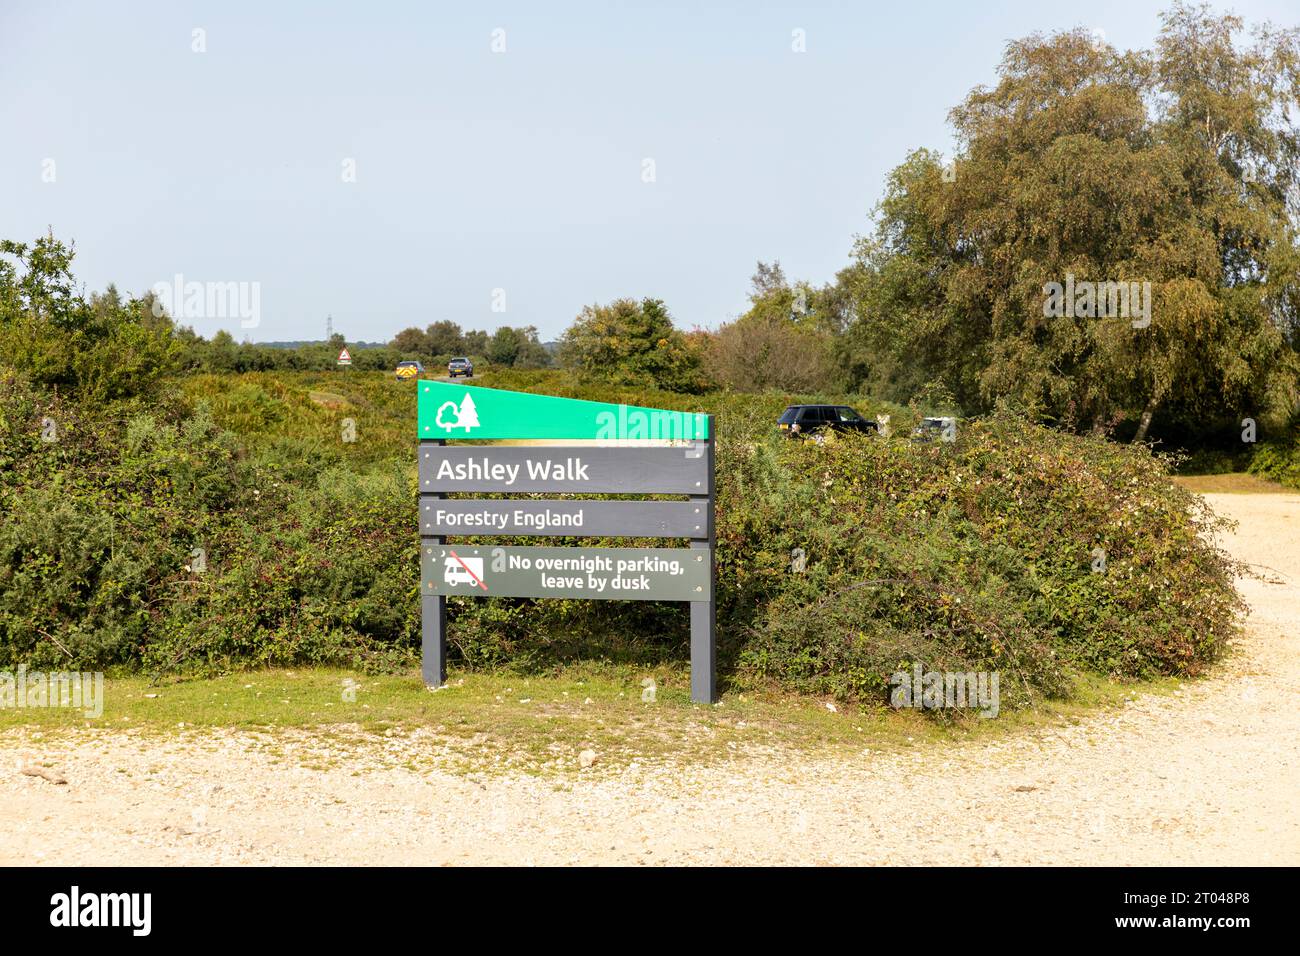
931	428
460	366
409	369
807	420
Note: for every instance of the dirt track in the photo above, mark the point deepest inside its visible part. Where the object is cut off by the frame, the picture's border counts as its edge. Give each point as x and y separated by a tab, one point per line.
1210	776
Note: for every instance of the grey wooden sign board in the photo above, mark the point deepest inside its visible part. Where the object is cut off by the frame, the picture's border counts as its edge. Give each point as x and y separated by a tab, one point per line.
510	469
605	519
658	574
484	570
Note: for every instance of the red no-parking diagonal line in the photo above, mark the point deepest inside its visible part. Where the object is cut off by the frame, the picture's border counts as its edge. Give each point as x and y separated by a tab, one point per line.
467	570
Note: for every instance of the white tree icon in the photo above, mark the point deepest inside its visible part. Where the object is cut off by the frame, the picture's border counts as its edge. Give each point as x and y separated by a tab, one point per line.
466	415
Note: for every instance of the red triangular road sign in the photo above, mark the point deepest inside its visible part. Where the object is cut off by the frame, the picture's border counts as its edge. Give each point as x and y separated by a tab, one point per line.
345	358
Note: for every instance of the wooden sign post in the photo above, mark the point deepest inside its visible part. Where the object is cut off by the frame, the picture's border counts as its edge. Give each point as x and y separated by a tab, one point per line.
681	464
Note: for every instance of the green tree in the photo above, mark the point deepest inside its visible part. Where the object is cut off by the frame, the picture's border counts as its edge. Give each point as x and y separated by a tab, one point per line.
785	340
517	348
411	341
504	346
105	348
444	338
631	343
223	352
1170	167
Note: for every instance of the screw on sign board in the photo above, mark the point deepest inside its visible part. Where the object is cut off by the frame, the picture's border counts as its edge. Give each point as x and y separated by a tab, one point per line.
680	464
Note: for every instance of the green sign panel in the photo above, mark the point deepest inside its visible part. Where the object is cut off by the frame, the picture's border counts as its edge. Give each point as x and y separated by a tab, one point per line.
456	412
622	574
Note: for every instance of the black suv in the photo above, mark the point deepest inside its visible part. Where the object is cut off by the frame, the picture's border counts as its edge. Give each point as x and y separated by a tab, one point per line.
810	419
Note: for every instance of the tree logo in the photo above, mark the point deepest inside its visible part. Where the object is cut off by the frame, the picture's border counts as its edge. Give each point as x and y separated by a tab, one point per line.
465	415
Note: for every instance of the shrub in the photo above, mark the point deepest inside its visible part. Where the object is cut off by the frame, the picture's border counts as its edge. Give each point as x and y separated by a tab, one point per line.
100	522
100	350
1278	461
973	556
759	352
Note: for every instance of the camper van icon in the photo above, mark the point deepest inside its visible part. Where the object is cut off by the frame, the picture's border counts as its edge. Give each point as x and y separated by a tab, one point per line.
458	571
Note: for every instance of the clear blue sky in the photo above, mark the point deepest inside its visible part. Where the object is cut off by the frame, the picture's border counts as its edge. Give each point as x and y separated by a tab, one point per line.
477	170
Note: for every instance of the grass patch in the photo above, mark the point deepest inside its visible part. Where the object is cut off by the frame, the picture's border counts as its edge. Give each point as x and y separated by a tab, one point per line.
485	723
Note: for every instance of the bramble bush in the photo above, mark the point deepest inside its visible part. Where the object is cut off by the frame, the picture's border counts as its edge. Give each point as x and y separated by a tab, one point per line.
1015	549
1279	460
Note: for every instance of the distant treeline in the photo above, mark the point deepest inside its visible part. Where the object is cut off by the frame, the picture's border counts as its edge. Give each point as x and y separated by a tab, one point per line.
506	347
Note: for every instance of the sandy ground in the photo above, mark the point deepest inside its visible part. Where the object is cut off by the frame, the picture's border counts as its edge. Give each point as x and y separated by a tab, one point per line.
1208	776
